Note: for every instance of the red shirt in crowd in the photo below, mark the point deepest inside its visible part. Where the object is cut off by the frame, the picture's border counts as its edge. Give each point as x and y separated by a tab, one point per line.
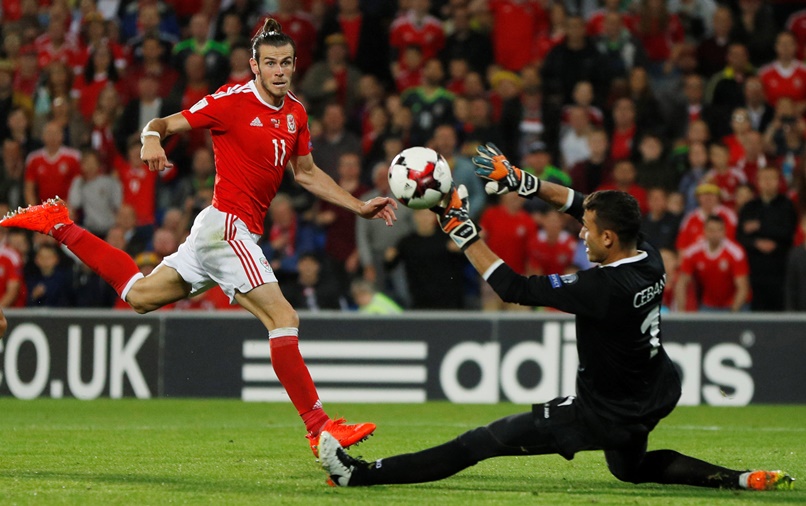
715	271
621	144
797	25
637	191
52	174
427	35
140	188
658	41
526	18
11	270
692	228
727	181
252	143
551	258
509	235
779	82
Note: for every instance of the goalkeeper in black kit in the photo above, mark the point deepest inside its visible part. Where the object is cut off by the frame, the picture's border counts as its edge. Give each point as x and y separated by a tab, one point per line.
626	382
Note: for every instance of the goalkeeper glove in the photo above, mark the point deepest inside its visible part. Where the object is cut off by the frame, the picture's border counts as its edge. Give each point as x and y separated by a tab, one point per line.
453	214
503	177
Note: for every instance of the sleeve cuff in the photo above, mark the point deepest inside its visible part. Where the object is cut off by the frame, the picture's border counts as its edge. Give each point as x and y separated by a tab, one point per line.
568	201
491	269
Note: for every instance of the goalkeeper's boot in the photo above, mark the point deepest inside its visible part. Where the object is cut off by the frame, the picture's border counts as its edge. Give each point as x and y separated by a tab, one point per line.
346	434
770	480
338	465
50	214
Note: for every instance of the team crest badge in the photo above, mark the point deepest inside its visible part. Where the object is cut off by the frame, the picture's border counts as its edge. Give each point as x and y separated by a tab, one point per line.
265	264
292	124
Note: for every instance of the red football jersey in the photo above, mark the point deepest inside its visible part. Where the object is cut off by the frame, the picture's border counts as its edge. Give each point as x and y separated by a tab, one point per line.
692	229
779	82
428	36
140	188
527	19
551	258
252	142
727	182
797	25
53	174
508	236
715	271
11	270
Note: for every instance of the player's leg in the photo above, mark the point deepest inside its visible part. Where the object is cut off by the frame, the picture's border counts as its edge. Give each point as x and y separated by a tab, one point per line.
635	465
512	435
116	267
163	286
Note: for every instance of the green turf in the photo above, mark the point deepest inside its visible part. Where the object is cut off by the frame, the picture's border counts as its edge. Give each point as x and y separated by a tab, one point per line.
230	452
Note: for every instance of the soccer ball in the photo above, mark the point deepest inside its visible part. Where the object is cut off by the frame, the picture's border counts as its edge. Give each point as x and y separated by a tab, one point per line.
419	177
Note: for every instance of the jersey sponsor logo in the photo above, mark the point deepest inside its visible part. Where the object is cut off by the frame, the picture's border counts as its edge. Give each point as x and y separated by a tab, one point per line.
558	280
569	279
292	124
201	104
256	122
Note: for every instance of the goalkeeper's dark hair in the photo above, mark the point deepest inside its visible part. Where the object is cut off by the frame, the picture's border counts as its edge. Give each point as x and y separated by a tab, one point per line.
271	35
617	211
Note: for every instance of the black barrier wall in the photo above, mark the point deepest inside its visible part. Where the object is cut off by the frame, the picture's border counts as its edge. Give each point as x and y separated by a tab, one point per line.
464	358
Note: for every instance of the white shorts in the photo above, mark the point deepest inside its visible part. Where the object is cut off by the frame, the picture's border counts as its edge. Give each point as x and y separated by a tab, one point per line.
221	250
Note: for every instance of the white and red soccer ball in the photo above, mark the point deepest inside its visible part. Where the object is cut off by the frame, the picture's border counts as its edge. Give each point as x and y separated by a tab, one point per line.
419	177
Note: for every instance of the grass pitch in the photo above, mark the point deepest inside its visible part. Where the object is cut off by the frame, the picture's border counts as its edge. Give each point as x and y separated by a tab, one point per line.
231	452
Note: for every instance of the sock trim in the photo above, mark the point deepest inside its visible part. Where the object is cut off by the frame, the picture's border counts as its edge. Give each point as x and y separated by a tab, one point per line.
284	332
129	285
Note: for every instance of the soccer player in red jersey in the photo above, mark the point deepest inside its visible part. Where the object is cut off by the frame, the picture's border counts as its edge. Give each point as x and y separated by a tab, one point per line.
257	129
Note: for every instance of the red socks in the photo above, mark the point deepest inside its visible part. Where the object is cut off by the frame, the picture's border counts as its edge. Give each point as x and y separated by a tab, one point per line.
296	379
116	267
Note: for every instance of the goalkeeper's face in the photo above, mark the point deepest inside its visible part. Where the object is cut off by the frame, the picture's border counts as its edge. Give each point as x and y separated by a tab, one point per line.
596	241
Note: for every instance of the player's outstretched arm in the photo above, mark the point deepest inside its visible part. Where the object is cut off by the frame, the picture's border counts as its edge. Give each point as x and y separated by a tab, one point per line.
316	181
503	177
152	152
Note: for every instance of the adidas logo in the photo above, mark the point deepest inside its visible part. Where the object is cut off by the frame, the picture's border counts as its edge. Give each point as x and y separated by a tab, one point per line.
256	122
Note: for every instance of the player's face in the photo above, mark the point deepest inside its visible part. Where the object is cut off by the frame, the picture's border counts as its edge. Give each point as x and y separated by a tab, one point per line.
274	68
594	238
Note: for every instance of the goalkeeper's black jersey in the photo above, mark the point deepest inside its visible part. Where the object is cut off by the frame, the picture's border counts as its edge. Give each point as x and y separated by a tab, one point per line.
624	373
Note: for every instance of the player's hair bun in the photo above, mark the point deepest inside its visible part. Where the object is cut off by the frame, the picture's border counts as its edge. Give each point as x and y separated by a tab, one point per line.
272	27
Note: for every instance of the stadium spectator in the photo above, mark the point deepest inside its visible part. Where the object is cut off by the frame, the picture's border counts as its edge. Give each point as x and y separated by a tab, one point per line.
27	73
648	113
54	45
232	31
373	238
583	97
339	223
754	26
551	249
696	167
13	291
795	275
719	268
661	34
19	130
430	103
693	225
760	111
434	266
537	160
154	63
371	301
765	230
335	140
559	78
653	167
597	21
624	131
547	37
416	27
51	286
659	225
696	17
94	196
57	81
686	107
509	228
723	175
712	51
12	172
753	158
479	125
786	76
147	104
240	71
50	171
796	24
505	104
589	174
63	112
466	43
95	35
99	72
736	140
623	179
300	27
332	80
147	20
106	114
408	73
724	91
10	97
574	140
315	289
519	17
367	37
783	138
620	50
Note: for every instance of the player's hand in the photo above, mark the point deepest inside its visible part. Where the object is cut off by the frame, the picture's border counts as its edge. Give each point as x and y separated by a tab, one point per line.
453	214
153	155
502	177
379	207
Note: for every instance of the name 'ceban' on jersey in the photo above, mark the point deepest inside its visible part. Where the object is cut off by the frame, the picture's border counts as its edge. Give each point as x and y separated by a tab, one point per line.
252	143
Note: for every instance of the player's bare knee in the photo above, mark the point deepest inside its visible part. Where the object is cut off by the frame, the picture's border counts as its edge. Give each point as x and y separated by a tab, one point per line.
139	303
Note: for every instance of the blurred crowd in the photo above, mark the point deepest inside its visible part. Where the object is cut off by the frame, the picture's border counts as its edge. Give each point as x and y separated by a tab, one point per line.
695	107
